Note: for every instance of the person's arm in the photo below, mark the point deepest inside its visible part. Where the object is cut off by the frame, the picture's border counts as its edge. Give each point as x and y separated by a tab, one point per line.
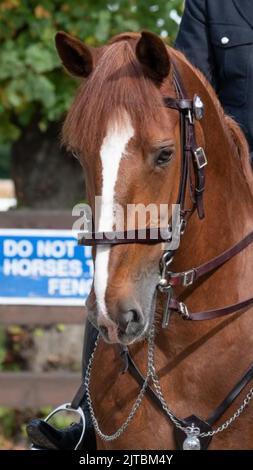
193	38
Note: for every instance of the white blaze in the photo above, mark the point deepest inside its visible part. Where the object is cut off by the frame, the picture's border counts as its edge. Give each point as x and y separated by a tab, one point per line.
112	150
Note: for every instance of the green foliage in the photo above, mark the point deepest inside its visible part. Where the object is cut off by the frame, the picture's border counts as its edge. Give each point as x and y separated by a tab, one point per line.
7	420
60	420
5	161
32	82
2	346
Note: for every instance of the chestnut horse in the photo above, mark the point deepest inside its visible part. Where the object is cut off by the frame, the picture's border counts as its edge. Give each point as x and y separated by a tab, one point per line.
129	146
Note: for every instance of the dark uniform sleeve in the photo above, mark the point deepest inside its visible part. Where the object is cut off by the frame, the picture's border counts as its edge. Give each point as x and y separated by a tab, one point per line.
193	38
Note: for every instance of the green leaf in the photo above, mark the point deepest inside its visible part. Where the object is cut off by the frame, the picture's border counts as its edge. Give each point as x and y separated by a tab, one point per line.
26	114
103	26
11	64
127	24
31	77
40	58
5	172
38	332
60	327
44	91
8	132
14	93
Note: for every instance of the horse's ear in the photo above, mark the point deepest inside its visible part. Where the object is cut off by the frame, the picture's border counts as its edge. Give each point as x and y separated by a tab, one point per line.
153	56
75	55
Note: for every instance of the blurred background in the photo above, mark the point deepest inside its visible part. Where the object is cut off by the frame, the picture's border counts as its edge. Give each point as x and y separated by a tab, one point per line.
35	173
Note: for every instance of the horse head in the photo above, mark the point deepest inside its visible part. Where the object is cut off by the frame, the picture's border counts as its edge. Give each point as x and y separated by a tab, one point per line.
128	143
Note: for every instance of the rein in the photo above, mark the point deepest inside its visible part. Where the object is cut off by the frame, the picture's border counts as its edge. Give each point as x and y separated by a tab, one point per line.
188	278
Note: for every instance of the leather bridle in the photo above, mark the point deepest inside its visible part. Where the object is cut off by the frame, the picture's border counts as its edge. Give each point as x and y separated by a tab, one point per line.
193	160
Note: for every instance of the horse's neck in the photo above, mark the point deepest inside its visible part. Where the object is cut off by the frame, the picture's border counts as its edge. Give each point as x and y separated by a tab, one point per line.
228	202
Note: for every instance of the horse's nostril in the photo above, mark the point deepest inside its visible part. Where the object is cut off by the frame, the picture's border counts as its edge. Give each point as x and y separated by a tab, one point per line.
129	322
136	316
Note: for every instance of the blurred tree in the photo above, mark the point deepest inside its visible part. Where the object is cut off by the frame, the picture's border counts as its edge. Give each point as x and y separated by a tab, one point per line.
35	92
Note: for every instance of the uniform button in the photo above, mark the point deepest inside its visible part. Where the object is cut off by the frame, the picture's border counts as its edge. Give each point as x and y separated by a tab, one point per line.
224	40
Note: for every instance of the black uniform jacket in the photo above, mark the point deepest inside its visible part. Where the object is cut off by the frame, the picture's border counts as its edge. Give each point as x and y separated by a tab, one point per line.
217	37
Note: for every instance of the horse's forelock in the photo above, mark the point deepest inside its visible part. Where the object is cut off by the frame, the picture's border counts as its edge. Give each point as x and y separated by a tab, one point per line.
117	82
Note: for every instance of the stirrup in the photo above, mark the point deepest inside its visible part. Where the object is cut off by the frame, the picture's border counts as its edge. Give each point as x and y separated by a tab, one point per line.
44	436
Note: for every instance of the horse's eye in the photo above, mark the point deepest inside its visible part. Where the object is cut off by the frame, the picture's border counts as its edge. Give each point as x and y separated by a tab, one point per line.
163	156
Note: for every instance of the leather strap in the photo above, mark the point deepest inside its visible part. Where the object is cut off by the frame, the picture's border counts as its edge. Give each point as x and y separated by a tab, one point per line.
199	162
230	398
131	366
178	104
143	236
181	308
187	278
79	397
137	375
217	413
191	154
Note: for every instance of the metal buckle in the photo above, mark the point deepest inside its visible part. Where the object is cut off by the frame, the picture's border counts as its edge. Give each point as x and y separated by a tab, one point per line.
184	311
167	311
68	407
200	157
188	278
166	260
183	224
190	116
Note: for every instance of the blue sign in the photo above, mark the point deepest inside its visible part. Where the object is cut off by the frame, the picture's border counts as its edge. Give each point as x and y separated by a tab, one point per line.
43	267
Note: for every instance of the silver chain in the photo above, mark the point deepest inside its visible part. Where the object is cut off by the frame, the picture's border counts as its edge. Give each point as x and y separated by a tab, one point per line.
151	374
230	420
134	409
156	382
171	415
